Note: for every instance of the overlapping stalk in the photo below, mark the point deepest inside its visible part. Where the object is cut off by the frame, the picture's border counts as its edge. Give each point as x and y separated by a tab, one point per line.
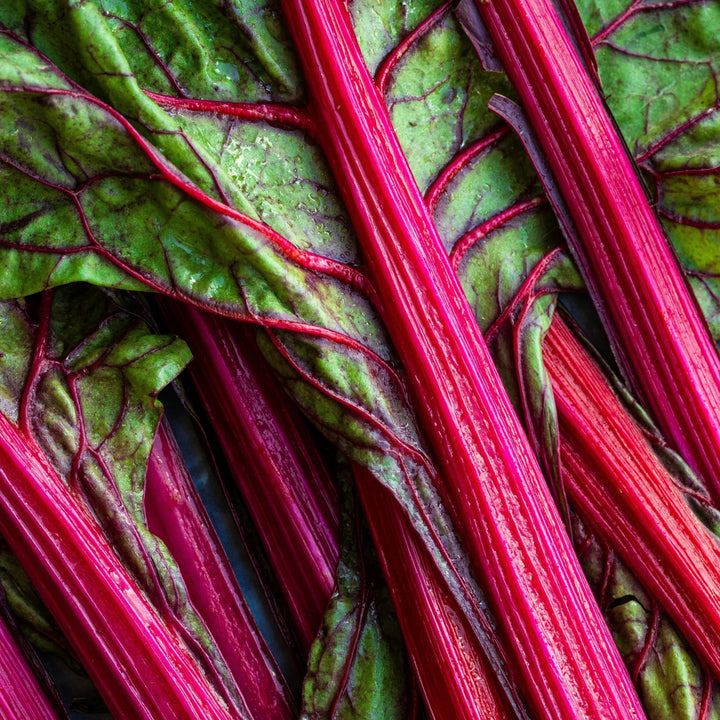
617	485
237	389
139	665
273	460
176	515
493	485
658	335
241	399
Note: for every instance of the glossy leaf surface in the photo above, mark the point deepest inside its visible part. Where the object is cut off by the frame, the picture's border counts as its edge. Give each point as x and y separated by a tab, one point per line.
123	205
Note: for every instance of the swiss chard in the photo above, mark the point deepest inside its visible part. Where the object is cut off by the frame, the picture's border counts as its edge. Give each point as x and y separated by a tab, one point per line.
236	388
78	412
158	197
658	335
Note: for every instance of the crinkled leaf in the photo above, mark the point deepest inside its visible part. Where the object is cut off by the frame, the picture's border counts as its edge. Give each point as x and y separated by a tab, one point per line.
670	679
127	217
82	377
357	666
225	50
161	229
142	221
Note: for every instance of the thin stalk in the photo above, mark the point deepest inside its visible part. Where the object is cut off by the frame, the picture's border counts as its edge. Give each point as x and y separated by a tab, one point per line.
455	679
619	487
139	665
657	332
22	696
494	488
283	480
176	515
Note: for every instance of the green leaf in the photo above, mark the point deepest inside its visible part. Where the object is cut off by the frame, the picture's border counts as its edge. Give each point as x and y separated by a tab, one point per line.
669	677
81	375
659	64
437	98
151	223
357	666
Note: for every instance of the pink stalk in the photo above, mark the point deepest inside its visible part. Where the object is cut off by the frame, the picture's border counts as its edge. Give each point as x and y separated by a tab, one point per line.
658	334
141	668
274	462
456	683
455	679
176	515
618	486
506	518
21	694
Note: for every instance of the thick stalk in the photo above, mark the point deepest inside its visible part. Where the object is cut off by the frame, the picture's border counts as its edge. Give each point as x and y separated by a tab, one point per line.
21	695
176	515
461	686
493	485
658	334
617	484
280	474
138	664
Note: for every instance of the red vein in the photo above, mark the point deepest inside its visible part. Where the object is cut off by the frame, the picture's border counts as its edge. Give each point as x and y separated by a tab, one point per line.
524	292
635	8
211	171
310	261
364	602
675	132
684	172
616	23
400	446
463	245
391	60
689	222
649	643
459	163
273	113
37	363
